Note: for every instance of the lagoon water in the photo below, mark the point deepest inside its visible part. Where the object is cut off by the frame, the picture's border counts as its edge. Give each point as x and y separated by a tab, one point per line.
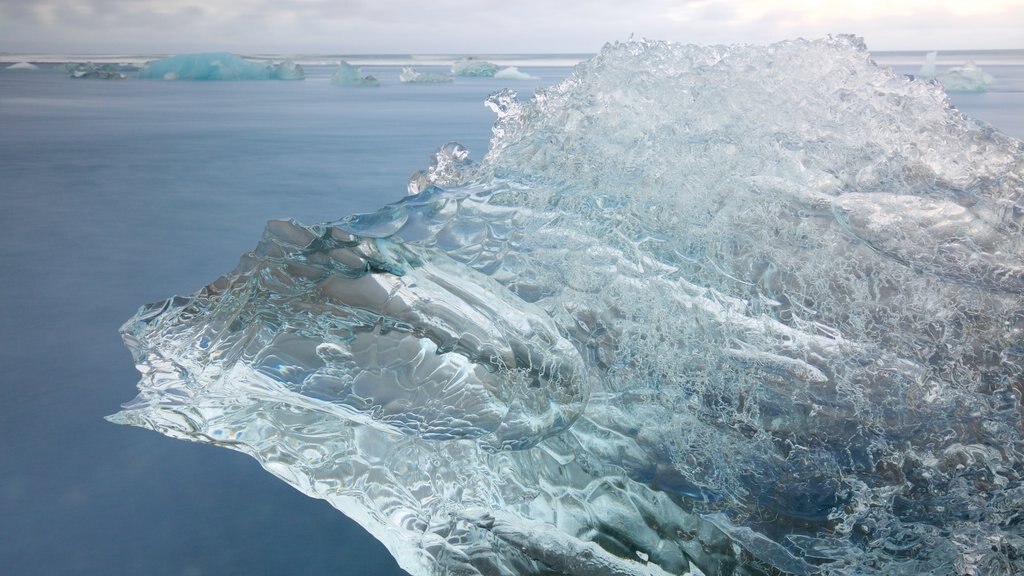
119	193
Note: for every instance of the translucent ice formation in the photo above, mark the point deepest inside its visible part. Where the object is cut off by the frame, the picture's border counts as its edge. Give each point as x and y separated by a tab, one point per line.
23	66
410	75
513	73
474	67
719	310
349	75
967	78
219	66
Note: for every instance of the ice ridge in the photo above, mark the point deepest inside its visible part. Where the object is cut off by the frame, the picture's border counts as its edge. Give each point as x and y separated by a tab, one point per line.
699	310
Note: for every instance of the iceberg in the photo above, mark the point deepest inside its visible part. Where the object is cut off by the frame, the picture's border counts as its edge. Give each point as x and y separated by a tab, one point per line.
410	75
219	66
349	75
739	310
966	78
928	67
474	67
514	73
95	71
23	66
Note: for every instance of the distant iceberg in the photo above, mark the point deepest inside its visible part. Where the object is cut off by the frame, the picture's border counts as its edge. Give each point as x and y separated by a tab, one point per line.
410	75
348	75
727	310
474	67
513	73
219	66
23	66
928	67
966	78
94	71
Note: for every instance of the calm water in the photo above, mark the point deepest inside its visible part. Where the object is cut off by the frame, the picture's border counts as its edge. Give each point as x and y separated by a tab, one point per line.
118	193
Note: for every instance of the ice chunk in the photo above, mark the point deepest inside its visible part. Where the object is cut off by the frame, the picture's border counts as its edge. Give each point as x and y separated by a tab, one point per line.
513	73
928	67
967	78
23	66
348	75
474	67
410	75
91	70
219	66
725	310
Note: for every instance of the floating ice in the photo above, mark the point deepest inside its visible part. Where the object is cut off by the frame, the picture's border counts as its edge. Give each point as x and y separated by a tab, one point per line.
727	310
23	66
410	75
219	66
513	73
967	78
96	71
474	67
349	75
928	68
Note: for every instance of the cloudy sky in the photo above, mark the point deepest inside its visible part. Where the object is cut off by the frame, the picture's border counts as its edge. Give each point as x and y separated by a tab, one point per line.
489	26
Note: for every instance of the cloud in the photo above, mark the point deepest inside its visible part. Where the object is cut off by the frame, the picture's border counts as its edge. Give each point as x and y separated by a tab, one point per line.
354	26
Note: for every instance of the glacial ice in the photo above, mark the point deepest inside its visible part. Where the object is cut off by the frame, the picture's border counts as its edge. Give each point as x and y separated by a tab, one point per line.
219	66
349	75
94	71
719	310
966	78
474	67
513	73
410	75
23	66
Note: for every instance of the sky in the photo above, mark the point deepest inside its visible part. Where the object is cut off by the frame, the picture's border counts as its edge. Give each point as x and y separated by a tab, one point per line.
490	27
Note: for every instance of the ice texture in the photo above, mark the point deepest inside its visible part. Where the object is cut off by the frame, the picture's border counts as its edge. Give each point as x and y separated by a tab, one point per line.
513	73
349	75
23	66
219	66
474	67
719	310
410	75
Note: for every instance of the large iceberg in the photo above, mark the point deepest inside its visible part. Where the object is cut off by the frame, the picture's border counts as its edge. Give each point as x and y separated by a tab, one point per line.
719	310
219	66
966	78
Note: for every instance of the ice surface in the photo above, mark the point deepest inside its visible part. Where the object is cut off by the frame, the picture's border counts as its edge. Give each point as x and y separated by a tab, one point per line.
513	73
474	67
410	75
349	75
23	66
967	78
728	310
219	66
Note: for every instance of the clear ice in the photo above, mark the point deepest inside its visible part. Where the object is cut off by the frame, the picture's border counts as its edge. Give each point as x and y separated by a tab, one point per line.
219	66
718	310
